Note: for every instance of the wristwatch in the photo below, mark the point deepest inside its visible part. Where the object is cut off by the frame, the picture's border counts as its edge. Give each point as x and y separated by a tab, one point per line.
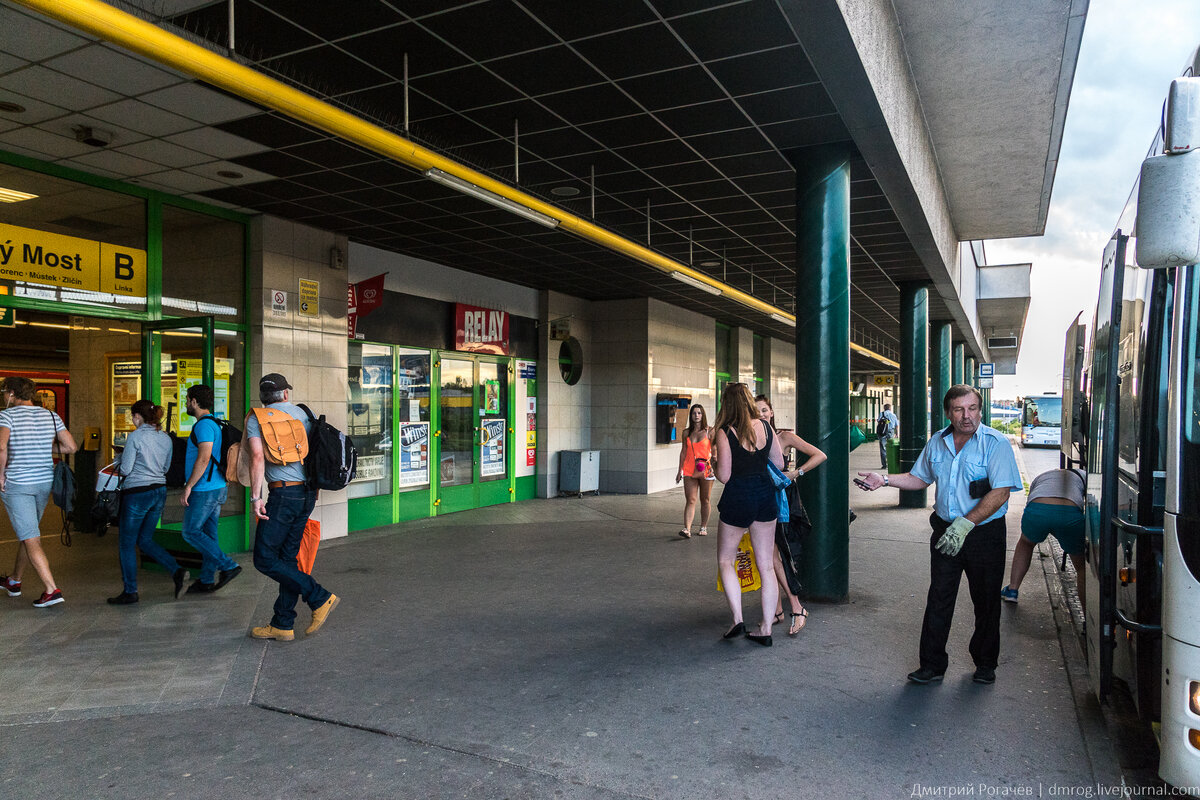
799	471
885	481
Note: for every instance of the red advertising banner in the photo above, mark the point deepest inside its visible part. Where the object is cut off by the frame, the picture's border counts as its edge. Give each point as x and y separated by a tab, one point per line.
351	312
361	299
480	330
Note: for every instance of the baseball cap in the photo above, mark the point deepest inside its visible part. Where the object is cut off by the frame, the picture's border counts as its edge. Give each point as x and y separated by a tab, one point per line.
273	382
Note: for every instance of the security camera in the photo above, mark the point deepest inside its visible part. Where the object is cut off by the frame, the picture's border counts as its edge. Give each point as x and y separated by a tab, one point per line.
93	137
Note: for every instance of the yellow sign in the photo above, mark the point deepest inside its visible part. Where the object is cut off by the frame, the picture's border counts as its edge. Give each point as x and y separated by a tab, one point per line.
68	262
7	317
310	291
885	380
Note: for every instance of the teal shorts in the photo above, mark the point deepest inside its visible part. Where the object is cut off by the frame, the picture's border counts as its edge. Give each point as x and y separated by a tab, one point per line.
1065	522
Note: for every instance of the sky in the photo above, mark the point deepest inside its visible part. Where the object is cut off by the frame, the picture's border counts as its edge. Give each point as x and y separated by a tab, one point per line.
1131	51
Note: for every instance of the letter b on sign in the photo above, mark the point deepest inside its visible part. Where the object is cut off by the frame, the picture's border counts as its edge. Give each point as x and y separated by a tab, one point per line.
122	270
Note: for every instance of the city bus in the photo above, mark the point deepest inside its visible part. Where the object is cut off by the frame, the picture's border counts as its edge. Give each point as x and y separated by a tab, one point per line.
1041	420
1131	392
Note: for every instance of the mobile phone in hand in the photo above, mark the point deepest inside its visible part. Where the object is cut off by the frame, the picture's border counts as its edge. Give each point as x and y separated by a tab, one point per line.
862	484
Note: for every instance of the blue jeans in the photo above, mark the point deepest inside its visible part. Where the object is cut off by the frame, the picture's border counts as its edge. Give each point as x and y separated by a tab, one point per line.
276	543
139	517
200	531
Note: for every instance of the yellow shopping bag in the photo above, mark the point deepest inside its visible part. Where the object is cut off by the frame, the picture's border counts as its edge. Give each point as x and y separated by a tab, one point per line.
747	570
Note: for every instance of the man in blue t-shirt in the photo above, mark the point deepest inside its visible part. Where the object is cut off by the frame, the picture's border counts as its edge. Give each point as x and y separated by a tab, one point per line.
204	494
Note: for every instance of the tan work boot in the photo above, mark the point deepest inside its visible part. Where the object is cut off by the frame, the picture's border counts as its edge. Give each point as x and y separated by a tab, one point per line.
321	613
270	632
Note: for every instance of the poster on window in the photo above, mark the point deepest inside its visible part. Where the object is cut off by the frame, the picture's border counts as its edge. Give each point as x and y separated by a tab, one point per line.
414	453
491	449
371	468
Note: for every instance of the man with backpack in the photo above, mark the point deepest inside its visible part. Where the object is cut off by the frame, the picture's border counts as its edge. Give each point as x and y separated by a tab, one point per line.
205	491
283	498
885	429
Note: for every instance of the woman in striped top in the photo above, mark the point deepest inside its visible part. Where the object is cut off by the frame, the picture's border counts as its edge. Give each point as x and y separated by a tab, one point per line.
27	436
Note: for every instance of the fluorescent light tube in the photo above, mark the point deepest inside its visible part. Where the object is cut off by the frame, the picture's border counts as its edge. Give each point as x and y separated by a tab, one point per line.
13	196
783	319
478	192
690	281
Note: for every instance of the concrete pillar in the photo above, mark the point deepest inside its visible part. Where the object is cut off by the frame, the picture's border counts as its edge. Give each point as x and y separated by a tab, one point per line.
969	371
987	406
823	359
939	374
956	369
914	382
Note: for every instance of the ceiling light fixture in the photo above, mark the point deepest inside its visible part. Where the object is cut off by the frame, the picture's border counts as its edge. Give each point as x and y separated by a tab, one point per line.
11	108
858	348
13	196
710	263
564	191
479	193
701	285
783	319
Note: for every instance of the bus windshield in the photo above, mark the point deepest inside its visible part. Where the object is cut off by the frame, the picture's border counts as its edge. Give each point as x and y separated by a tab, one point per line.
1043	412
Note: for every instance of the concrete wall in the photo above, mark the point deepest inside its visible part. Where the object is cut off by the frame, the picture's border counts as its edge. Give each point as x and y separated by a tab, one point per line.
310	352
564	411
783	383
621	414
682	359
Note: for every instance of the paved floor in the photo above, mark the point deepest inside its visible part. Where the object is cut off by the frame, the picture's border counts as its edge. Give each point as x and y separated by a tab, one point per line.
565	648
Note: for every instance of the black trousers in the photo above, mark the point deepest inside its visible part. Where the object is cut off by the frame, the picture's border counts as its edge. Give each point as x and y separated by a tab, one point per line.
982	558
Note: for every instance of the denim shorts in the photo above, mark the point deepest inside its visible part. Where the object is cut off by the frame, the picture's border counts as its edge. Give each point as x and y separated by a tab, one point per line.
25	504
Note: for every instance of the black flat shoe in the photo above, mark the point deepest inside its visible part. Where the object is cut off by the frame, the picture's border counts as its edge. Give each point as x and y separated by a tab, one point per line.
735	631
765	641
123	599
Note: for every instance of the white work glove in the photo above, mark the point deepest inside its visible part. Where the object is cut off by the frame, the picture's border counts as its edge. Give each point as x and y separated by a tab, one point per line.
952	540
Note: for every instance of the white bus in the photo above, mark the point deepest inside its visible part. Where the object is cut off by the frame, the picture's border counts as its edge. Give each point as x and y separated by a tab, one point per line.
1132	400
1041	420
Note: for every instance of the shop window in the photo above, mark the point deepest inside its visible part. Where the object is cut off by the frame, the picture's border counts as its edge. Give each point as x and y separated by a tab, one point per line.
369	418
203	265
69	242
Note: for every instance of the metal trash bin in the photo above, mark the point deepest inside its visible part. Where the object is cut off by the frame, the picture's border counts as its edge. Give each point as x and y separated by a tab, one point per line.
893	455
579	471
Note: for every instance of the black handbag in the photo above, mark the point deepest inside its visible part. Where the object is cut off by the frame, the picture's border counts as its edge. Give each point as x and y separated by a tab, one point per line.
106	509
790	534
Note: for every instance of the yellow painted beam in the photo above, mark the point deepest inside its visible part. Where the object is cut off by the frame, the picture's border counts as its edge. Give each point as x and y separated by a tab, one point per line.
858	348
142	37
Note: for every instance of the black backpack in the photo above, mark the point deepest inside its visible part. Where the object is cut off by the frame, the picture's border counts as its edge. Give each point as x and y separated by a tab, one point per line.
220	455
332	460
881	427
175	477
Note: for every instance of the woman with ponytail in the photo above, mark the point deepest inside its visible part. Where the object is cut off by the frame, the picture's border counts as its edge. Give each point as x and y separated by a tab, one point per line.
143	467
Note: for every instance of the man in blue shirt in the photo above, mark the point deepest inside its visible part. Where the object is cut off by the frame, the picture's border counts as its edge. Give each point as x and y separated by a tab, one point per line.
974	469
204	493
282	501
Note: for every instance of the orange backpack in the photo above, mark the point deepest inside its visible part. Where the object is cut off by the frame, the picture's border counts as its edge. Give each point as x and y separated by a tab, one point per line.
284	439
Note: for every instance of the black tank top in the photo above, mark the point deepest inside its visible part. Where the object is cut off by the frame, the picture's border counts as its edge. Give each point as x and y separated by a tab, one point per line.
746	463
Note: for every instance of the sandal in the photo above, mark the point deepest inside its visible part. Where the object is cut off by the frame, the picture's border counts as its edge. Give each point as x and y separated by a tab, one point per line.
702	532
778	619
685	533
802	616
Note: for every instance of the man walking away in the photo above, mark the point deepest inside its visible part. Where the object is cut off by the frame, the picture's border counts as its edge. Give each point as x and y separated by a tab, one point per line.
885	429
277	438
204	493
975	469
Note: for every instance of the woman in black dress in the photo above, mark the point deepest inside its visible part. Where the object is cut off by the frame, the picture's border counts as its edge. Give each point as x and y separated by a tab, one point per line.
744	445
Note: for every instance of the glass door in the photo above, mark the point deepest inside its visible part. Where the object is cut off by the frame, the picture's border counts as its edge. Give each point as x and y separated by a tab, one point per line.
474	433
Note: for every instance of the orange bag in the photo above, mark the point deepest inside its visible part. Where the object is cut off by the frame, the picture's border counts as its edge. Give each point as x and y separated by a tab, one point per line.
308	546
284	439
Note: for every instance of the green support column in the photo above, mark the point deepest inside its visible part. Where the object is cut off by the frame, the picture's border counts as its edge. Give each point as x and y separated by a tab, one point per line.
957	368
823	360
914	382
939	374
987	406
969	371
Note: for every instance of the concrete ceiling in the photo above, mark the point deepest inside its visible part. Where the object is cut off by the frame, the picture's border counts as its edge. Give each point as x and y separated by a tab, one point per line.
692	110
994	79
